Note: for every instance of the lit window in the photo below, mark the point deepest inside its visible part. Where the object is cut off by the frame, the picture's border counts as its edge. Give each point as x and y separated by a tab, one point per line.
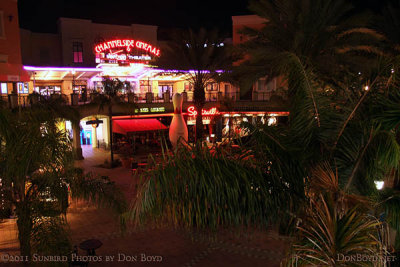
212	87
23	88
4	88
2	32
188	87
77	49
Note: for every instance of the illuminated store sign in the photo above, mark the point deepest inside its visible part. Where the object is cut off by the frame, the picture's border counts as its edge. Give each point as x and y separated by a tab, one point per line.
125	51
147	110
210	112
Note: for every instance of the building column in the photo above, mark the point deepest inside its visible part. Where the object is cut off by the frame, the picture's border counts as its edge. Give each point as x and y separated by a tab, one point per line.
14	88
94	137
76	144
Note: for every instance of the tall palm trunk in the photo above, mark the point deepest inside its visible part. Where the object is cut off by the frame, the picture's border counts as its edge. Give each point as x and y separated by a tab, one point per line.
199	101
24	224
111	133
199	122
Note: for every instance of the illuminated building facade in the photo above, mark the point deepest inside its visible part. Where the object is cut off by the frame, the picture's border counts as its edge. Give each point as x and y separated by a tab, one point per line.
73	63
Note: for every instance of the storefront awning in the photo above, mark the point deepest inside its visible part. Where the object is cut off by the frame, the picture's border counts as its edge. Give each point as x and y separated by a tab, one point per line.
137	125
13	73
61	73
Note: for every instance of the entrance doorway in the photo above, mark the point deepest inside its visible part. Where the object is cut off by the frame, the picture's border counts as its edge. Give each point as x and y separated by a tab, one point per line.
86	137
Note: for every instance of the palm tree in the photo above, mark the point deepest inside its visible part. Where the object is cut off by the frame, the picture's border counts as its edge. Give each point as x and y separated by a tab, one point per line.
208	188
343	112
328	236
200	54
387	23
110	97
299	38
36	170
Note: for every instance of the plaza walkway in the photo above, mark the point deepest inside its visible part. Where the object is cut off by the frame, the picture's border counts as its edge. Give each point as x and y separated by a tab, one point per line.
153	246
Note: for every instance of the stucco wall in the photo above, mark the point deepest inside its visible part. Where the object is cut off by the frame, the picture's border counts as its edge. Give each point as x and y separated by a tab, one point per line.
10	42
89	33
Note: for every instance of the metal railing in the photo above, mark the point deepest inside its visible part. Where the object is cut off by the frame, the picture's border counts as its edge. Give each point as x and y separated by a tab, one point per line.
15	100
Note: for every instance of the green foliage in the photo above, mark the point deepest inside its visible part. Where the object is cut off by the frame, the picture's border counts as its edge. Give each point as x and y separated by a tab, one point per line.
208	188
327	235
112	86
322	35
50	238
36	168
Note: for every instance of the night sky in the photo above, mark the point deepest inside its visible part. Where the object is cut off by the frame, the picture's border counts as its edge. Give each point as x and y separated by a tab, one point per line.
42	15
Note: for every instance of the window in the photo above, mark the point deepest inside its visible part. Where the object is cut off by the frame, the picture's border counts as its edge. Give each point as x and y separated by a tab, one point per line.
145	86
2	31
48	90
77	49
23	88
212	87
163	89
4	88
188	87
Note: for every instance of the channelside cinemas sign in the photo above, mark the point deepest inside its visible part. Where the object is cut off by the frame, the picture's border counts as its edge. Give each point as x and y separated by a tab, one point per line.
125	51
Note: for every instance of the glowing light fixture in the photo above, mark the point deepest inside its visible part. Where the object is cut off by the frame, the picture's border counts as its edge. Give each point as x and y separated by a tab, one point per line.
272	121
379	184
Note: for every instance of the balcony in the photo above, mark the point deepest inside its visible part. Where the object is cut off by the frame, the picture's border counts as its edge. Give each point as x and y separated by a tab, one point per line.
260	101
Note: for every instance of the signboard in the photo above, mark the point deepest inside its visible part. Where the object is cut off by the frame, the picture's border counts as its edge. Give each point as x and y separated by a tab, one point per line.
152	110
205	112
125	51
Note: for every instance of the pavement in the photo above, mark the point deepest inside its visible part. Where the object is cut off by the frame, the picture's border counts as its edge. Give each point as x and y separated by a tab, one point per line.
152	245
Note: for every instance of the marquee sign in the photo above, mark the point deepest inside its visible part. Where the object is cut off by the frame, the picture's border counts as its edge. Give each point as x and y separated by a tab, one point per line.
210	112
125	51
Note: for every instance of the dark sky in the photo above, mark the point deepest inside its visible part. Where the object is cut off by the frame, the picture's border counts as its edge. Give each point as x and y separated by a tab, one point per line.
42	15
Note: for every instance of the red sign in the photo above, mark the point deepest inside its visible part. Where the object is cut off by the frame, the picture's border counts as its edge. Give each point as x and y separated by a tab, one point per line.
211	112
128	44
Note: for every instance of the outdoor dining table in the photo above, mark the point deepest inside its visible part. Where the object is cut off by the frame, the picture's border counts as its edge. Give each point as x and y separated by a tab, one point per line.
90	246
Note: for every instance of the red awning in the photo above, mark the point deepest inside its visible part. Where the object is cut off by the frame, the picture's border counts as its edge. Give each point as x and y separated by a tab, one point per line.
137	125
13	73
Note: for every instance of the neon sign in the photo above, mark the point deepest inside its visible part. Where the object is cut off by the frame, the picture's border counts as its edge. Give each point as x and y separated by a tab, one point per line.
147	110
210	112
128	44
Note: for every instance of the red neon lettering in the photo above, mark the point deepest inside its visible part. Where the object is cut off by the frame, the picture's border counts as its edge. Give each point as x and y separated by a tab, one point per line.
192	111
211	112
97	48
128	44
